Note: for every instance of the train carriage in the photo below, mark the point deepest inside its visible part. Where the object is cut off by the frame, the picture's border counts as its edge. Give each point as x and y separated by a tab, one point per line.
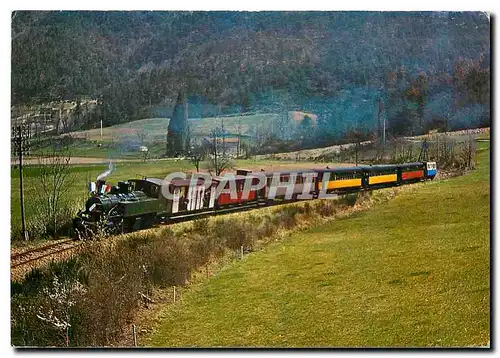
187	197
299	178
381	175
411	172
340	179
224	197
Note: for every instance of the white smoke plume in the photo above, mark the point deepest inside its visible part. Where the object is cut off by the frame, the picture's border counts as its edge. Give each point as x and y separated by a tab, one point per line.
106	173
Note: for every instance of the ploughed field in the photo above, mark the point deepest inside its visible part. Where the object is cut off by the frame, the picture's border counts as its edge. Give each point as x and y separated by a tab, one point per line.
413	271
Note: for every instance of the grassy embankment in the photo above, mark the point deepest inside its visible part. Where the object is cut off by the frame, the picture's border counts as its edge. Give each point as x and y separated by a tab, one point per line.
413	271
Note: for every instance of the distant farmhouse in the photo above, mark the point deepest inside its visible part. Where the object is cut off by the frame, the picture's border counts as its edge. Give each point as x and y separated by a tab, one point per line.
230	143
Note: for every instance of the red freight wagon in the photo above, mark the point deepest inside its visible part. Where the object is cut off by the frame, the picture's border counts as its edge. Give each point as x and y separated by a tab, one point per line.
224	198
413	175
412	172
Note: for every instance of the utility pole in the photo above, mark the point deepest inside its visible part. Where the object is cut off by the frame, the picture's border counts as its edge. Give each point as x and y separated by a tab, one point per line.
21	135
238	148
223	139
380	110
424	154
383	135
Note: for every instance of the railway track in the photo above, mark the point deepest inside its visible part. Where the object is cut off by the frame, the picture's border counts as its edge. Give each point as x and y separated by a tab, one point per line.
30	256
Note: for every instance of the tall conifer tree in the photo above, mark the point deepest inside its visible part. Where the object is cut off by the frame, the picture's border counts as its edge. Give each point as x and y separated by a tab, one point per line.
177	127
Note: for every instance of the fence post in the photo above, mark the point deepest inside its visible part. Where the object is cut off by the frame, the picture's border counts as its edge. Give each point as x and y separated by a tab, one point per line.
241	252
174	294
135	335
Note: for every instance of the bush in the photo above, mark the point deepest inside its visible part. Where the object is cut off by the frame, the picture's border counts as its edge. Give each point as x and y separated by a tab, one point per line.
236	233
169	262
265	228
45	303
325	208
285	219
350	199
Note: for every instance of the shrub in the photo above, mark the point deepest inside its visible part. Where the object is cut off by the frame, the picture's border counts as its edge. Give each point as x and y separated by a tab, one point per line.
325	208
285	219
350	199
169	262
45	303
115	277
265	228
238	233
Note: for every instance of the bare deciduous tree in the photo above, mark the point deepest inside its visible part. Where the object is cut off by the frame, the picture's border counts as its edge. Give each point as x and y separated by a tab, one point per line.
51	204
218	158
197	155
468	149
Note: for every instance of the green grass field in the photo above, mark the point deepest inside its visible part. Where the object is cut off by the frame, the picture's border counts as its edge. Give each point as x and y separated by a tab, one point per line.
412	272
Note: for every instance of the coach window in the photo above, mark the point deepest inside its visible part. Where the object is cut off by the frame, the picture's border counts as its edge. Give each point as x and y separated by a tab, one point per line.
239	185
182	193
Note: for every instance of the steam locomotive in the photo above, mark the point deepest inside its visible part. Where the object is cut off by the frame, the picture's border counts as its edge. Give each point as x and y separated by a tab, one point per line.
141	203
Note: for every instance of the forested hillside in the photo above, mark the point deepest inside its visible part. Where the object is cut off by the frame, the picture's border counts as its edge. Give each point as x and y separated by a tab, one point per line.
353	69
